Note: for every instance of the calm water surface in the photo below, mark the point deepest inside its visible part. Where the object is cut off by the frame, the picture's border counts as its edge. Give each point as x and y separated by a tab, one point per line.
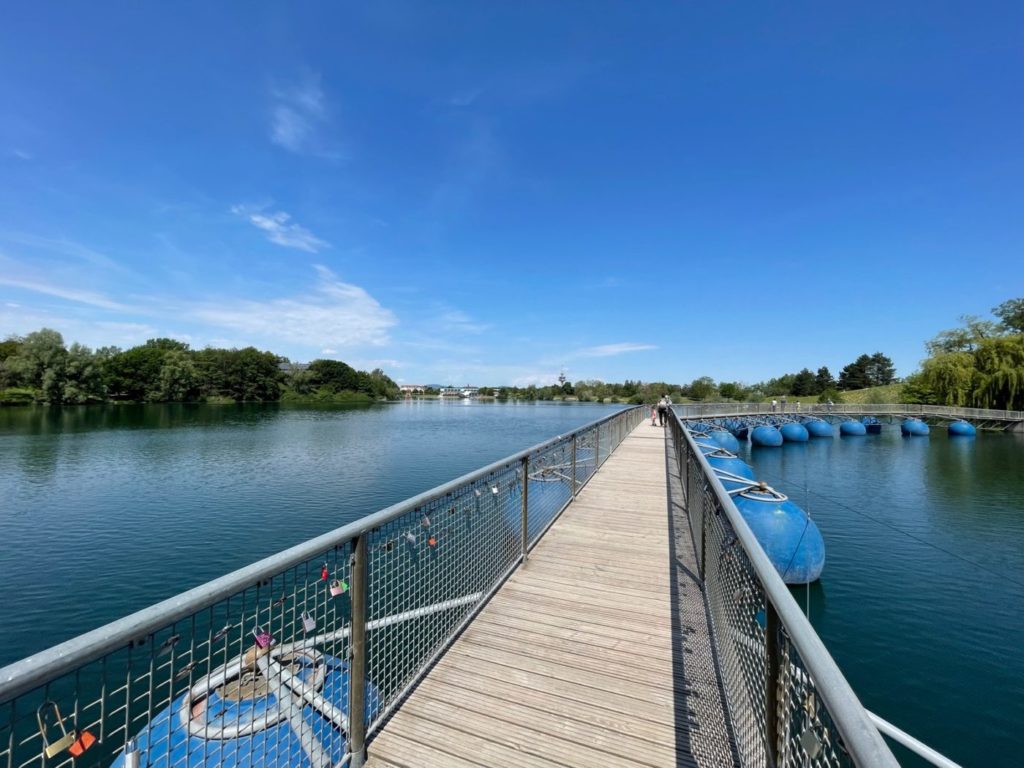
922	598
106	510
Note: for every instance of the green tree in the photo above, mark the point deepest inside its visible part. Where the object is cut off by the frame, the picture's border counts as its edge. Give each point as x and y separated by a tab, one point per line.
830	394
41	363
823	380
803	383
83	382
178	380
1011	313
703	388
881	371
857	374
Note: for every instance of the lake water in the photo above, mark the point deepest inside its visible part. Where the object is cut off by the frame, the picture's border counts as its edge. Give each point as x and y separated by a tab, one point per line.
922	599
105	510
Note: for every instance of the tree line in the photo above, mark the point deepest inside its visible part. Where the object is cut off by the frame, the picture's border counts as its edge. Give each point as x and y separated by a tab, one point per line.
979	364
40	368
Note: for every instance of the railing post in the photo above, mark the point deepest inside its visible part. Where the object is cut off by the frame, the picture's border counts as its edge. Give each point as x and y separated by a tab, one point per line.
771	702
357	655
597	447
574	466
526	507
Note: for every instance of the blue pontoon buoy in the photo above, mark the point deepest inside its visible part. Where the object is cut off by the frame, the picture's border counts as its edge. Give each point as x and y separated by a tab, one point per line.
792	432
852	427
725	439
787	534
818	428
288	706
872	425
961	428
766	435
913	427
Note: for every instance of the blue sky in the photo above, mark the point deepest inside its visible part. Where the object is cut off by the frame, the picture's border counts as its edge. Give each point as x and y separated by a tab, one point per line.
490	193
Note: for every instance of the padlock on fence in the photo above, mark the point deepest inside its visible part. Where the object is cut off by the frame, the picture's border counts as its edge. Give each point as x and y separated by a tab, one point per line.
338	587
75	741
308	622
263	639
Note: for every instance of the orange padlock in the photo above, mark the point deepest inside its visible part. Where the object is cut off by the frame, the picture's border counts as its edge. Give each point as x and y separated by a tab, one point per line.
82	743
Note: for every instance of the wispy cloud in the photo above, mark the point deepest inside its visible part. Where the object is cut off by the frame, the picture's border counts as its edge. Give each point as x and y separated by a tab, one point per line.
465	98
457	321
279	228
29	278
609	350
21	154
334	316
298	117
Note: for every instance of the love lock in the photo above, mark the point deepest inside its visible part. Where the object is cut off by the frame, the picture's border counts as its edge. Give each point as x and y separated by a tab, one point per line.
338	587
75	742
263	639
308	622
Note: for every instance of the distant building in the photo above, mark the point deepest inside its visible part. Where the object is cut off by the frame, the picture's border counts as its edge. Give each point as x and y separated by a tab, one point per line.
292	367
412	389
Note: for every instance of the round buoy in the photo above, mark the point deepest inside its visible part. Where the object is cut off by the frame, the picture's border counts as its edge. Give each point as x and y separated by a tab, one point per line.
962	429
725	439
852	427
793	433
818	428
765	435
791	540
913	427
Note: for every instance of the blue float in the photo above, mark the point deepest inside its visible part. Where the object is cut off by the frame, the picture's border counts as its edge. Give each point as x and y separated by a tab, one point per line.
913	427
962	429
872	425
207	728
852	427
792	432
725	439
725	465
818	428
789	537
766	436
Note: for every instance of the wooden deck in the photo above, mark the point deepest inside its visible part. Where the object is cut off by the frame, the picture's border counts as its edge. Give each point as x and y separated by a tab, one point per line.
596	652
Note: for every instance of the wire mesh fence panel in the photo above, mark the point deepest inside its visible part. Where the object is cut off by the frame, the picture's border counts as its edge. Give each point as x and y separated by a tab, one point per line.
254	669
257	678
756	652
430	569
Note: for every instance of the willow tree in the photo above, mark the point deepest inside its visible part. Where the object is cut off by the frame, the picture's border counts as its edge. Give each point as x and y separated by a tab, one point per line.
999	366
950	376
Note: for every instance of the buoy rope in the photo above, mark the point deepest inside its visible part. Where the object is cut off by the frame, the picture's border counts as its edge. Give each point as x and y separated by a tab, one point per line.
918	539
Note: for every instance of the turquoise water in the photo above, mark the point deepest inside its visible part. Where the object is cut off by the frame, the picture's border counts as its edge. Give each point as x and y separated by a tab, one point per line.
106	510
922	599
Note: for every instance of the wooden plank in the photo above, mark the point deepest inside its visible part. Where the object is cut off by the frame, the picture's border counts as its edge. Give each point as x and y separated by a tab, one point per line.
575	661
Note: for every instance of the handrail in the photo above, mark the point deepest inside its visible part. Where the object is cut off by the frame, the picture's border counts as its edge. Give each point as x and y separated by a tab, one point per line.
40	668
714	410
916	746
860	736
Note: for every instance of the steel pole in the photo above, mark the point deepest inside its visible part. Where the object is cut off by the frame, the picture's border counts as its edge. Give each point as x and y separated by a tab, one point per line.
771	700
574	466
526	507
357	655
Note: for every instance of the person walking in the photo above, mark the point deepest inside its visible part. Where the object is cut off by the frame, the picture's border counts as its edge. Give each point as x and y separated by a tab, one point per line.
663	406
775	404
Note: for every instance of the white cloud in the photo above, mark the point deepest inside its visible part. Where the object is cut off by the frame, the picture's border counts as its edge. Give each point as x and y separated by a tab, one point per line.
455	320
280	229
21	154
608	350
465	98
62	292
298	116
335	315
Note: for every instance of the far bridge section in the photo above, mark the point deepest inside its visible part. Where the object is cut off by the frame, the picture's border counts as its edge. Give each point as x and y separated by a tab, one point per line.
982	418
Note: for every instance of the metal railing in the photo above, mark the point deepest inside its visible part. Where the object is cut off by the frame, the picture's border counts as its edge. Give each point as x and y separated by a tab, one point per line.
300	658
715	410
788	702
